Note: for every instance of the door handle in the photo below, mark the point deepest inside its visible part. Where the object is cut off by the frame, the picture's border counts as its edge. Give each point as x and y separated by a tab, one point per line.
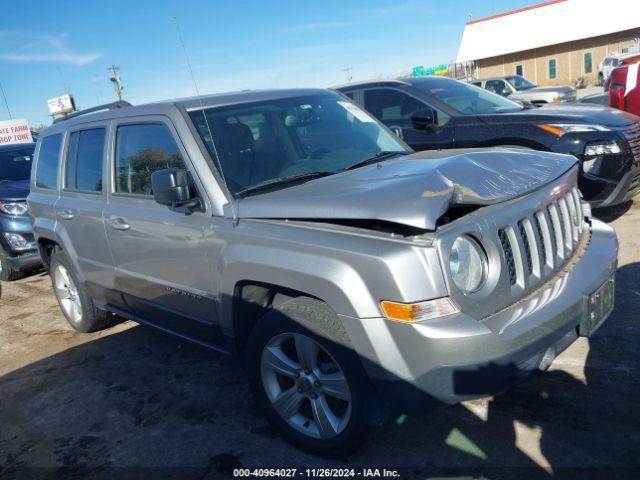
66	214
120	224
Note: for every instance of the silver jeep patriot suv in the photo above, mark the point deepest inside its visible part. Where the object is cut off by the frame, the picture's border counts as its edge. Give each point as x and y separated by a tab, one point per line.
355	278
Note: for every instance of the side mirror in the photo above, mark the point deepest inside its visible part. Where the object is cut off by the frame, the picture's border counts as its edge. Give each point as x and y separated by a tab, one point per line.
171	187
424	119
505	92
397	130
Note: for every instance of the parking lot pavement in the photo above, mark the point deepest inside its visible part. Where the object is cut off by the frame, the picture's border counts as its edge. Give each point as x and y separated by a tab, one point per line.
134	398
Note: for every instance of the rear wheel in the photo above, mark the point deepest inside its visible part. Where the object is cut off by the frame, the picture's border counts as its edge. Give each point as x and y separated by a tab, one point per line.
75	303
310	386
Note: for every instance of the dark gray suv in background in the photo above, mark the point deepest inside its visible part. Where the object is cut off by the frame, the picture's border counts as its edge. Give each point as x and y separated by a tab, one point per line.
355	278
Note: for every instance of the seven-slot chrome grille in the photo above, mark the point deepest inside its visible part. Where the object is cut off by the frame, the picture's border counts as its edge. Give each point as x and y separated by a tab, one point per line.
537	245
633	137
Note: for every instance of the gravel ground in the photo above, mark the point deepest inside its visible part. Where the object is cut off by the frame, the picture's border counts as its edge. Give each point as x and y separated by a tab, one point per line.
131	402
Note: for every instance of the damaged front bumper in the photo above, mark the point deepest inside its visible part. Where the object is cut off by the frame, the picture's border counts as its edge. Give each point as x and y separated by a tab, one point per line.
455	358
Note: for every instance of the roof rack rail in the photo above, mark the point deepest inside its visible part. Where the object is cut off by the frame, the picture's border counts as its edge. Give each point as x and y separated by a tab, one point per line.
106	106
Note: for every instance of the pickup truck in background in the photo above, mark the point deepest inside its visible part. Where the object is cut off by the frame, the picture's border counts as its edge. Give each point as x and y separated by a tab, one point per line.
624	87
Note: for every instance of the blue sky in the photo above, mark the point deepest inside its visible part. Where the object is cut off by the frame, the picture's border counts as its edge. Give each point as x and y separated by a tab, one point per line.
48	48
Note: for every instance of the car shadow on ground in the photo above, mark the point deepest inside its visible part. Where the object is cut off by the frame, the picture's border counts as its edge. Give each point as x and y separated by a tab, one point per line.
142	404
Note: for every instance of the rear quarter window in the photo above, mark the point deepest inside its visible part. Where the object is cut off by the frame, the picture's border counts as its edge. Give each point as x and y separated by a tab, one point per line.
47	162
84	160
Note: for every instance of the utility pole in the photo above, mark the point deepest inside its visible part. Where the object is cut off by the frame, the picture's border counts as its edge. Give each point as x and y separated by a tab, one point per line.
348	72
5	101
115	78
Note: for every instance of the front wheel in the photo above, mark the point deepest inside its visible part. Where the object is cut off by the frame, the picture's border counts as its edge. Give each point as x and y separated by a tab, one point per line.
310	385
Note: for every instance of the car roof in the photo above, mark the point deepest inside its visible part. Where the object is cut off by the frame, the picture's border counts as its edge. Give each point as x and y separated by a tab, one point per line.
622	55
16	146
635	58
188	103
378	81
394	81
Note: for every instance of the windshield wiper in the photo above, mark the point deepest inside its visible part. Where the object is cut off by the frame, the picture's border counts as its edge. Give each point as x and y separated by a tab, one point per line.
281	181
378	156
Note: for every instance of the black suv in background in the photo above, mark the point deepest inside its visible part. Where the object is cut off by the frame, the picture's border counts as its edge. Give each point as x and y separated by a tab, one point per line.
18	250
438	113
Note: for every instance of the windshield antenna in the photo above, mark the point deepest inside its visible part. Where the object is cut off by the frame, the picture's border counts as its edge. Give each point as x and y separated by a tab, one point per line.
204	115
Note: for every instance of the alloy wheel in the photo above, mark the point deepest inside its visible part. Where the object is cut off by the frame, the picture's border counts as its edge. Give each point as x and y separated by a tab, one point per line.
305	385
67	294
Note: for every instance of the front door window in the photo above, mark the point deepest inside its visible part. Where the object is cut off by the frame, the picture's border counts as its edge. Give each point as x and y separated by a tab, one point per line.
393	107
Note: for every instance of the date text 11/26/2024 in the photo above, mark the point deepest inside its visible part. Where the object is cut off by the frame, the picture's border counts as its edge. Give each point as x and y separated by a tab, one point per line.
315	473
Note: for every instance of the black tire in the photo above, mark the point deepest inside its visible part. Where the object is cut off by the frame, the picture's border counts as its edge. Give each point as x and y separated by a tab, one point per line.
92	319
314	319
7	272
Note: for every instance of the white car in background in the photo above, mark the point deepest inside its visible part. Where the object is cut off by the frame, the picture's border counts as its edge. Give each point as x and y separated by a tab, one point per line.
518	88
609	63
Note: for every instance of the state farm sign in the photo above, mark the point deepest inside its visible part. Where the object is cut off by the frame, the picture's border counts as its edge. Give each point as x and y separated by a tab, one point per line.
15	131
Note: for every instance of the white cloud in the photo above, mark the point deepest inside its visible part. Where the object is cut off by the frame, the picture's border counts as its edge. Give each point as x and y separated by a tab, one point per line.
27	47
74	59
307	27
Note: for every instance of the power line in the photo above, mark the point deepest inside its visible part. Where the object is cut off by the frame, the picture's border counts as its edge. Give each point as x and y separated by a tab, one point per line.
5	101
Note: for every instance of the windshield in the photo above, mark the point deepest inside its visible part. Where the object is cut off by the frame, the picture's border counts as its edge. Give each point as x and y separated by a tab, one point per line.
269	140
465	98
15	164
520	83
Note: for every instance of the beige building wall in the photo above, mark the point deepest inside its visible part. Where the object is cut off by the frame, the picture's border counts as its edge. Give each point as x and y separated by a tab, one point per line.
569	58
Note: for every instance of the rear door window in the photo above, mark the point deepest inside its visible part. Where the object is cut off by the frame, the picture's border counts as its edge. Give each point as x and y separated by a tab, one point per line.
47	166
141	150
392	107
84	160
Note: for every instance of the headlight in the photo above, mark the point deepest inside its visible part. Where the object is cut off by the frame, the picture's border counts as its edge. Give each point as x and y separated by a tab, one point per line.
601	148
567	97
468	264
17	241
593	153
14	208
560	129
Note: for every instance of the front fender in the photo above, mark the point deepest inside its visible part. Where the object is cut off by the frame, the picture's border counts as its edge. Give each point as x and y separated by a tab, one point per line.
325	278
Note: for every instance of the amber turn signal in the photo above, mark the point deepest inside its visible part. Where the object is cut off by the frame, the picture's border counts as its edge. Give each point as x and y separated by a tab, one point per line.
415	312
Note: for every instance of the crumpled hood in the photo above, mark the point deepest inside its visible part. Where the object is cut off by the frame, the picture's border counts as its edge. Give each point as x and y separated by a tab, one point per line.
413	190
15	190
